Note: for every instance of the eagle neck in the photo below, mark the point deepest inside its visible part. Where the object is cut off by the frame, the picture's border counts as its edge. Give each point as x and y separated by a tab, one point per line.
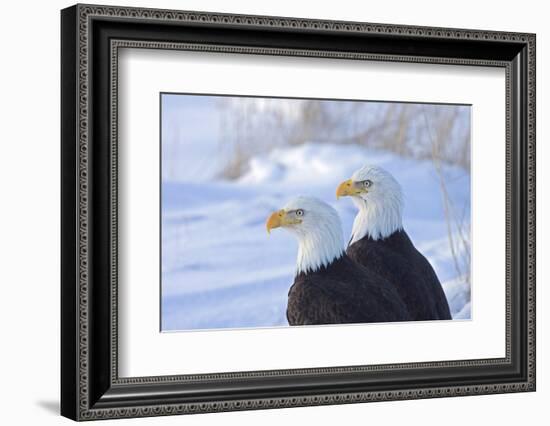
376	221
319	249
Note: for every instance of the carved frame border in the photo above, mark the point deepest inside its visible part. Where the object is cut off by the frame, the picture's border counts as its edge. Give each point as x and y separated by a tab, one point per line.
87	12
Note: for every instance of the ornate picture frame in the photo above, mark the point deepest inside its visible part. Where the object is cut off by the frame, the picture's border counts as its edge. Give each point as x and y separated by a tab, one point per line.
91	37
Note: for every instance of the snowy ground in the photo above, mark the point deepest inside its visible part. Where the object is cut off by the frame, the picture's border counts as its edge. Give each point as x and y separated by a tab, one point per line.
220	269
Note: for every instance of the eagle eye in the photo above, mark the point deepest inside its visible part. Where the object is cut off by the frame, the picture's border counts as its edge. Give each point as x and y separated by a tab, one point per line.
299	212
367	183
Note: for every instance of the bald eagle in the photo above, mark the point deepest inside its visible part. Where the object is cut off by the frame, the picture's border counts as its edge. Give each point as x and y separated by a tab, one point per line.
379	242
329	288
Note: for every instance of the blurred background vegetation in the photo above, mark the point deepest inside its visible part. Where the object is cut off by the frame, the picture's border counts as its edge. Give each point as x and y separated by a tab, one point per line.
252	126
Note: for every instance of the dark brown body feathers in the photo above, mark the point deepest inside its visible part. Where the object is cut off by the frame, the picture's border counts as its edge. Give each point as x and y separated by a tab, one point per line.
396	259
343	292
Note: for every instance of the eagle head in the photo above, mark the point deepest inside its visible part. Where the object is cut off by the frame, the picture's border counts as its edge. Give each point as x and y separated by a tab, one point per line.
379	198
317	227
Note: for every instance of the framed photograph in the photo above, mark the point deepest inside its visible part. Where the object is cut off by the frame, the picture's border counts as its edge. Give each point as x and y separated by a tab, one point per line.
263	212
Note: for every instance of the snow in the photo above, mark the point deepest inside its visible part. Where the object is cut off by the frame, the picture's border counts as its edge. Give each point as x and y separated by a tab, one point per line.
220	268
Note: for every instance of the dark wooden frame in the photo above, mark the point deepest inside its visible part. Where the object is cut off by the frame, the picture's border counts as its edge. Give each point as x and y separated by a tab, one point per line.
90	38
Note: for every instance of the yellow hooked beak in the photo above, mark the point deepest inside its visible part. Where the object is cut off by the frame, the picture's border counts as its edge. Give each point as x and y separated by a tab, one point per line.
348	188
281	218
276	220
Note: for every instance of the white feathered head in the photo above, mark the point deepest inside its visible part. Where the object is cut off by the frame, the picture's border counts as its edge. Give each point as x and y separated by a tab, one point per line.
379	198
317	227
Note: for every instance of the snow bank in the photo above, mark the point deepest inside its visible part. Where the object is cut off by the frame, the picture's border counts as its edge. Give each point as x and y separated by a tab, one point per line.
220	269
